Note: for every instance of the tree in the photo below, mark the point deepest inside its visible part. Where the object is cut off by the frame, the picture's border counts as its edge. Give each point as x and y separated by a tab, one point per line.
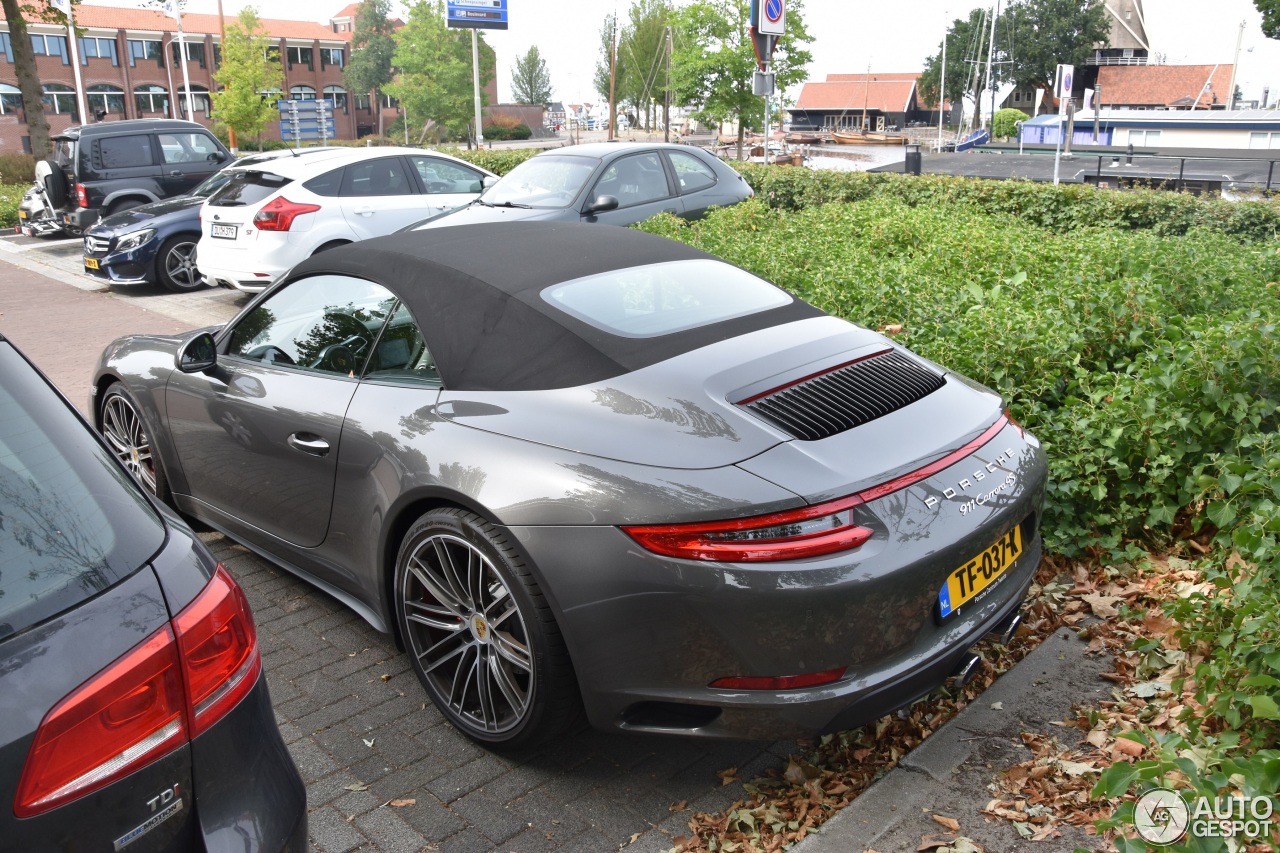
1033	37
24	66
641	78
531	82
1046	33
1005	122
244	75
434	62
966	41
714	59
372	45
1270	10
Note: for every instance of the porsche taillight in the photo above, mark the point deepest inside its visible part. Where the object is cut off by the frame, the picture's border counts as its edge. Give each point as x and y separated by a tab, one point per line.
279	213
154	699
793	534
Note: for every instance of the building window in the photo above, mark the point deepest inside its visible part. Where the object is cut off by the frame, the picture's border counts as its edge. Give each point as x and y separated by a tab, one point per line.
145	49
151	99
338	95
7	46
199	99
11	100
61	99
1264	140
217	55
300	56
302	93
50	46
98	48
362	102
331	56
271	54
193	49
104	98
1144	137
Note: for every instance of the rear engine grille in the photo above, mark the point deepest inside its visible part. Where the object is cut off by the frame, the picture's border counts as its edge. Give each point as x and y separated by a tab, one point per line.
96	246
847	397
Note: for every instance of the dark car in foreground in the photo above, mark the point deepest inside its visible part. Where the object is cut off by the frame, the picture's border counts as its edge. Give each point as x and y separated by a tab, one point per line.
606	182
156	243
589	468
134	714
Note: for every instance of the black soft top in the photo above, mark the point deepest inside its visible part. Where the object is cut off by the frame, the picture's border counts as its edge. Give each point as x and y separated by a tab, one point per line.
475	292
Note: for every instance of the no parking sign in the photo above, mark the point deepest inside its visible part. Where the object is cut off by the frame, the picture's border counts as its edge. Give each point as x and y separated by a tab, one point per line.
769	17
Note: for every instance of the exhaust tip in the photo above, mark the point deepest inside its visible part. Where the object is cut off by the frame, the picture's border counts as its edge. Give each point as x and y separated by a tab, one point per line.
1005	631
964	671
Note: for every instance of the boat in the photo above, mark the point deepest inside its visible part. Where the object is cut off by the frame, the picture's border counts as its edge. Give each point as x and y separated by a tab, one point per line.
797	138
870	137
977	137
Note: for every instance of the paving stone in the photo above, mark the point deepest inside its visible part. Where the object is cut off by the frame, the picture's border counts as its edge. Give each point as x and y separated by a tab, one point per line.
331	833
388	830
495	820
470	776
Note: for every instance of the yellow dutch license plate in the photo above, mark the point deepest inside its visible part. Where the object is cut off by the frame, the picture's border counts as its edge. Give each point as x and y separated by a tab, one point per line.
91	263
22	214
973	577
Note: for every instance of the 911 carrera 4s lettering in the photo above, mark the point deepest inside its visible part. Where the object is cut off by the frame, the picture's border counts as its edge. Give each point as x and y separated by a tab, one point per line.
978	476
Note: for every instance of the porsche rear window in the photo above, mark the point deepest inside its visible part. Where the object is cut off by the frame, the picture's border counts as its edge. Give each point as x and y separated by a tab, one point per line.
247	188
660	299
72	523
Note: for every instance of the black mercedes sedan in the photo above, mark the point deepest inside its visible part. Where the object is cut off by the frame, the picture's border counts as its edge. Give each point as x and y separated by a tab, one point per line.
134	713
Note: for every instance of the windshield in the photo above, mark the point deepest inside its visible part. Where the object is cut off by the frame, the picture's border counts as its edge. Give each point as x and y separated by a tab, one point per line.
542	182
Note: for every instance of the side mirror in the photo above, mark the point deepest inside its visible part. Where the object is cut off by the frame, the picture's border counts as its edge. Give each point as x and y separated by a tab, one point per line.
197	355
489	180
603	203
217	156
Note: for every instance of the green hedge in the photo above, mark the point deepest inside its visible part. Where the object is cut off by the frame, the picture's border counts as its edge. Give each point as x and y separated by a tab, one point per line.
1061	208
1135	357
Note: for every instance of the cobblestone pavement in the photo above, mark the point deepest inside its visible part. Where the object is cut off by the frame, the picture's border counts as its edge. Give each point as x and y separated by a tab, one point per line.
384	771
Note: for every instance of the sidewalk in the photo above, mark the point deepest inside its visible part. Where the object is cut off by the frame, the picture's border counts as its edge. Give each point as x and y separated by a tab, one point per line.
86	317
948	774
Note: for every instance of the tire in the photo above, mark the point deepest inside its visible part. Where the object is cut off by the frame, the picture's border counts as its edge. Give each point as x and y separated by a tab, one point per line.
54	180
176	264
125	204
130	441
466	605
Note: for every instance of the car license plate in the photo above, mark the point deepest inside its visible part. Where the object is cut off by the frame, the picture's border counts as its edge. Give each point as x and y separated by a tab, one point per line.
22	214
973	577
227	232
91	263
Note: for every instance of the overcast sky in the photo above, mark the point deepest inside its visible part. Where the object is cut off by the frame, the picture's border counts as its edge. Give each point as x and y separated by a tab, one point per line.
888	37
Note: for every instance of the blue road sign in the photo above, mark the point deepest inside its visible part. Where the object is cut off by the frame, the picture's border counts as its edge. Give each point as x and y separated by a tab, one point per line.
477	14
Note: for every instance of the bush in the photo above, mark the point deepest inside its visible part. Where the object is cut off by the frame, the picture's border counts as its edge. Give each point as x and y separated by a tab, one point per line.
498	132
1137	358
1005	122
10	198
17	169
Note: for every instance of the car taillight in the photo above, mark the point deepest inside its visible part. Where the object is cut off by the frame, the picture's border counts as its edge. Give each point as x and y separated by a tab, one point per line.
793	534
219	650
279	213
82	196
138	708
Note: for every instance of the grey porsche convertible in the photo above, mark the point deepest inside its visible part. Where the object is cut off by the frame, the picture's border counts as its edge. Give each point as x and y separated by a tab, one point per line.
582	471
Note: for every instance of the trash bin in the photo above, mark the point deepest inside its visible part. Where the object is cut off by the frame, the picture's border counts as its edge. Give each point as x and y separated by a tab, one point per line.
912	164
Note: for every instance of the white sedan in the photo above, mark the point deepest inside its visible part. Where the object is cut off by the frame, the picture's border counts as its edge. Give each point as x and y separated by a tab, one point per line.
266	220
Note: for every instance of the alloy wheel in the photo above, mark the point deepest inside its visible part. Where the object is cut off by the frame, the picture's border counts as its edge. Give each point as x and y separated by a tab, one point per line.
467	633
180	266
122	427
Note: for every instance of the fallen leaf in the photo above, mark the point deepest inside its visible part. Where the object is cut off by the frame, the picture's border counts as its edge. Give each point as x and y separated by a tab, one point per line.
933	842
357	786
678	807
402	803
369	743
1103	606
997	706
729	776
949	822
385	677
1129	747
634	837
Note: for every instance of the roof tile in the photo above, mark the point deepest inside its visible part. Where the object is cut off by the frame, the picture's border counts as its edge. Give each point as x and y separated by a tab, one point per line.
1164	85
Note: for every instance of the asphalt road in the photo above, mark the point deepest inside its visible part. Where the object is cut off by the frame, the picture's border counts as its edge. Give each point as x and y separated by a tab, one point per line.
383	770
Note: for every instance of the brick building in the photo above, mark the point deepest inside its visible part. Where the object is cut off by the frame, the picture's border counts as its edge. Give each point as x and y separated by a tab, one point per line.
129	69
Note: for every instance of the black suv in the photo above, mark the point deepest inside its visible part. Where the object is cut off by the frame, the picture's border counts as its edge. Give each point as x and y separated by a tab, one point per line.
105	168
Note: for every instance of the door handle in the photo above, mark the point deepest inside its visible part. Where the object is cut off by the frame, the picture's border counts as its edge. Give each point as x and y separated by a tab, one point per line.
365	209
308	443
176	173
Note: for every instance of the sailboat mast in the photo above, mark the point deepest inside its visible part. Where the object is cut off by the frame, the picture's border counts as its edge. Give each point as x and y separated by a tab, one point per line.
978	83
942	89
866	91
991	55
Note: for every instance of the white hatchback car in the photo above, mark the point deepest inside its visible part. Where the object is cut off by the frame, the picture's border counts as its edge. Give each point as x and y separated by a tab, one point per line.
265	220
